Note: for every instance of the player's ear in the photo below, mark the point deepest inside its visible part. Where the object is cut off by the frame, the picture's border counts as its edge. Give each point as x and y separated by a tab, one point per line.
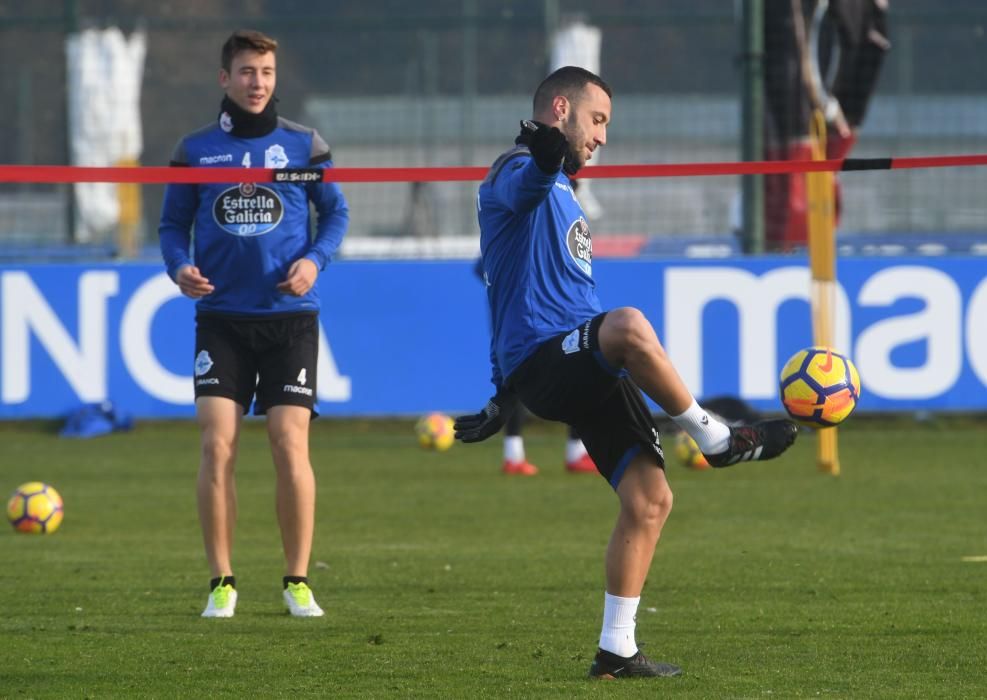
224	78
561	108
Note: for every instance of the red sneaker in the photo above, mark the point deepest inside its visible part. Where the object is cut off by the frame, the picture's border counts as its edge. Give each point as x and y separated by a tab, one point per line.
522	468
582	465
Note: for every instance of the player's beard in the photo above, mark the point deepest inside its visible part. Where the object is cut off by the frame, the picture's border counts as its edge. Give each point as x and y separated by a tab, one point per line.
572	162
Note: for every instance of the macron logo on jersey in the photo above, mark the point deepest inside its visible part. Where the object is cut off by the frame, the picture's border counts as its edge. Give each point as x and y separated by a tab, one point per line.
222	158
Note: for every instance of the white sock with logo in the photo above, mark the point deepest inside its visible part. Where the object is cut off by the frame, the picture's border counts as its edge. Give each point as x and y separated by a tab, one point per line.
619	621
710	434
514	448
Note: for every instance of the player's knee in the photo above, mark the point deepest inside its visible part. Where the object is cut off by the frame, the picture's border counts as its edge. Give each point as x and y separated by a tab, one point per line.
660	503
287	447
218	454
651	508
629	328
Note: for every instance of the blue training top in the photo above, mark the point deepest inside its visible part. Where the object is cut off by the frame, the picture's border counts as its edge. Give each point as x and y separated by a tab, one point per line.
247	235
537	256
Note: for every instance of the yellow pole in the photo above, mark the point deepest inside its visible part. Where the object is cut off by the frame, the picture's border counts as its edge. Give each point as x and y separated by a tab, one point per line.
822	261
129	195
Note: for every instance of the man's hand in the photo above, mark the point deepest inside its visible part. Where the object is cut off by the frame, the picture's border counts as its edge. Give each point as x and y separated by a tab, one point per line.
191	282
300	279
480	426
547	145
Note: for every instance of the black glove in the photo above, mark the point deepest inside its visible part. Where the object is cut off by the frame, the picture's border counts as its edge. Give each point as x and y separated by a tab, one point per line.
547	145
480	426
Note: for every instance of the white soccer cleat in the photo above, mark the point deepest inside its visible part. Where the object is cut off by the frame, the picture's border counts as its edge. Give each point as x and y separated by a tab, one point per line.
300	601
222	602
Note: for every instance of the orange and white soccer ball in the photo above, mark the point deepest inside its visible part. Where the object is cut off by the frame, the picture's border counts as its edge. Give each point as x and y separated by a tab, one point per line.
819	387
435	432
35	508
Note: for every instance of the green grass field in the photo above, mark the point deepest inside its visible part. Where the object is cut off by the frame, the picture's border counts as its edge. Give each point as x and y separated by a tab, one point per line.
442	578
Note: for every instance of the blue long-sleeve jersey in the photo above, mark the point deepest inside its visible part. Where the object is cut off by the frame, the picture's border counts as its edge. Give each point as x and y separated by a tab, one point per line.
537	255
244	237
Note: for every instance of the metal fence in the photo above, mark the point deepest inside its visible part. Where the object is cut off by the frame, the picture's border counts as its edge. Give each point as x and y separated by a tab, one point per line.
445	82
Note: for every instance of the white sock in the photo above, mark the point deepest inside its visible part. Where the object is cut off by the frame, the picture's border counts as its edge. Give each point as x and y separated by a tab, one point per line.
619	620
574	450
710	434
514	448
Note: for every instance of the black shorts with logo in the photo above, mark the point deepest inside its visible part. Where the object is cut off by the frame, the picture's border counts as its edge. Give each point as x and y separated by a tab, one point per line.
567	379
272	358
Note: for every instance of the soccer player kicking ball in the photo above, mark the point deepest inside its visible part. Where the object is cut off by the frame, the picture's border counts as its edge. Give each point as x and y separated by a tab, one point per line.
555	350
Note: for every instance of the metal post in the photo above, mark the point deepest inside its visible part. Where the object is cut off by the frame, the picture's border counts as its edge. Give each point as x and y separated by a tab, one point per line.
470	21
24	104
469	77
752	123
71	24
552	14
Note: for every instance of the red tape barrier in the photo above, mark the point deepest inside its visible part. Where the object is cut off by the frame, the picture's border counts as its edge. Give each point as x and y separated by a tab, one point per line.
183	175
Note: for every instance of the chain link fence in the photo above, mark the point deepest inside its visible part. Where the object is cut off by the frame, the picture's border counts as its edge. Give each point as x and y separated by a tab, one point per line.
445	83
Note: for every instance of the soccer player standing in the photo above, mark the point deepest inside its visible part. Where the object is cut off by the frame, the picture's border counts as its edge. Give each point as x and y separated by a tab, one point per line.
252	265
555	350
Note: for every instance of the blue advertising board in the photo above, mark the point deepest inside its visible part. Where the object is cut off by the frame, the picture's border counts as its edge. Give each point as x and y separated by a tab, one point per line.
402	338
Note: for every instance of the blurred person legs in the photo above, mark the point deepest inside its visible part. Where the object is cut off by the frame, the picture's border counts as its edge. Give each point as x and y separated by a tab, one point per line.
787	130
577	459
855	33
515	462
860	28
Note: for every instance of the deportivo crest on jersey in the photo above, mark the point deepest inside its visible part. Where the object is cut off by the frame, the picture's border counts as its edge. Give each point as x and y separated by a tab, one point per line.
248	210
203	363
275	157
226	122
580	244
578	339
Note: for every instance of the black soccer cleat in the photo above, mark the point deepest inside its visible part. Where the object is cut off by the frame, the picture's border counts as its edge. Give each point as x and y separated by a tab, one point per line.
765	439
608	666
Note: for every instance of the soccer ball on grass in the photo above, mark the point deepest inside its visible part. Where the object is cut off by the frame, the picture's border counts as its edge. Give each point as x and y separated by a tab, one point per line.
819	387
688	452
435	432
35	508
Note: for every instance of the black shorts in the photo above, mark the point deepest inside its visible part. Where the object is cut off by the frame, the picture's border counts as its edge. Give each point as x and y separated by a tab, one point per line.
274	359
567	379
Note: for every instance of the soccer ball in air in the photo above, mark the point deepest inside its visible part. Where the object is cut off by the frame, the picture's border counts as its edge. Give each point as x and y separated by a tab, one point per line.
35	508
819	387
435	432
688	452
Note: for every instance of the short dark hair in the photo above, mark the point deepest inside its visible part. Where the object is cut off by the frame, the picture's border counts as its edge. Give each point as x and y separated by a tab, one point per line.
245	40
568	81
